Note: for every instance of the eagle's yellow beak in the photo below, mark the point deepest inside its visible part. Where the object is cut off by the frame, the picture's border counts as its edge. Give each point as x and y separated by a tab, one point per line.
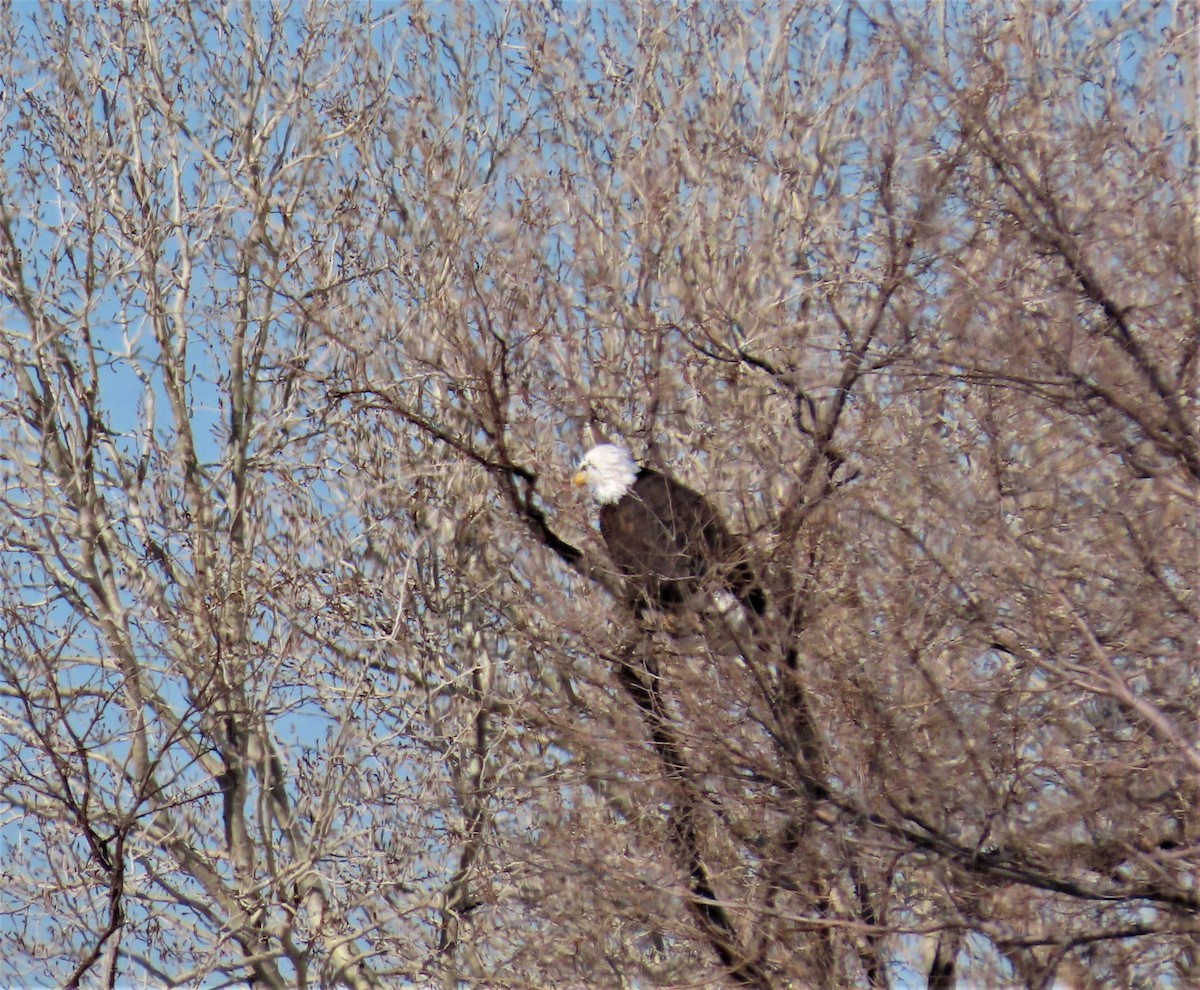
579	480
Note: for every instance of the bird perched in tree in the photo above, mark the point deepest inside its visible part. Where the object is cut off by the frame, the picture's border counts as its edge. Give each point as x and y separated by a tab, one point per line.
663	536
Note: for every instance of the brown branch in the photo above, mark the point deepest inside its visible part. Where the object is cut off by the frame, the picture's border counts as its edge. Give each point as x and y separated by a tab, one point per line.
641	683
507	474
114	865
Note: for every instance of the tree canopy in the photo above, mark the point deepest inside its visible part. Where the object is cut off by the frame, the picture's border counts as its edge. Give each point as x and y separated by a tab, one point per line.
313	668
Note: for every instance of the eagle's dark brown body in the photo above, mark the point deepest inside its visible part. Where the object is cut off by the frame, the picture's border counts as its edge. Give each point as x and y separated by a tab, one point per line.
671	543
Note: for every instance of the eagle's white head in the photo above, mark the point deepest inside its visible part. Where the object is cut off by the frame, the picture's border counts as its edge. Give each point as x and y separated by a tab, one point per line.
609	471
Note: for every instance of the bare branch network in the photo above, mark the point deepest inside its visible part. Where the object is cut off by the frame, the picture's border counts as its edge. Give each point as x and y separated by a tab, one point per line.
315	669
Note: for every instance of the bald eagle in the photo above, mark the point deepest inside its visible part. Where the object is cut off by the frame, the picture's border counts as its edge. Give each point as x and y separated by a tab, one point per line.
667	539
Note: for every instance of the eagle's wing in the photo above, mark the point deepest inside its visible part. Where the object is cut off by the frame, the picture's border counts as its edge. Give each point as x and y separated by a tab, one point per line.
729	556
667	537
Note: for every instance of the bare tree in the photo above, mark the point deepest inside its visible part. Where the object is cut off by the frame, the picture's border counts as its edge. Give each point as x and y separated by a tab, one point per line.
315	670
